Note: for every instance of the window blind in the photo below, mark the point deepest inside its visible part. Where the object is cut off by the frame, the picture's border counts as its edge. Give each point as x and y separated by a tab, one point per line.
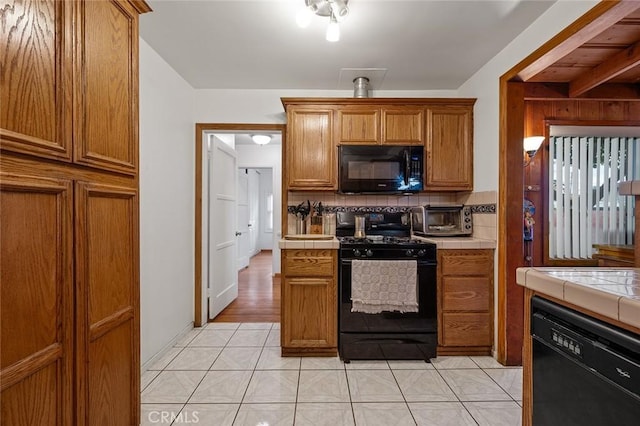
584	205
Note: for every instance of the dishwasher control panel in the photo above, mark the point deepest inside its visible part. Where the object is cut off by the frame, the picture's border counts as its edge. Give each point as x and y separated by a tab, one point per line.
566	343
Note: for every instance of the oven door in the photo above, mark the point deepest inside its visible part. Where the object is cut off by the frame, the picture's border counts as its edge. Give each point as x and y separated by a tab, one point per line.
423	321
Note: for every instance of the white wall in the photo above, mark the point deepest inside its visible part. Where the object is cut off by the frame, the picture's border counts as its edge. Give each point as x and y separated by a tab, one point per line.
269	156
264	106
166	203
484	85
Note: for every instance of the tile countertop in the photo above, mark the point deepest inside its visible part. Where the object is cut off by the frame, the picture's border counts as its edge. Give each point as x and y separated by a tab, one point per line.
453	243
332	244
611	292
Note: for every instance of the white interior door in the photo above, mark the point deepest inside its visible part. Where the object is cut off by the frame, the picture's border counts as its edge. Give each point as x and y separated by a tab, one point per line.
223	276
243	219
254	211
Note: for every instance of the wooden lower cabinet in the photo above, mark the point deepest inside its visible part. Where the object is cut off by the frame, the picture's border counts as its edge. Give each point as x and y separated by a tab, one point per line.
465	302
309	302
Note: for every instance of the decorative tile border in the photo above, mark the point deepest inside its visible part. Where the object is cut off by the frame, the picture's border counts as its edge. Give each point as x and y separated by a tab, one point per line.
483	208
360	209
475	208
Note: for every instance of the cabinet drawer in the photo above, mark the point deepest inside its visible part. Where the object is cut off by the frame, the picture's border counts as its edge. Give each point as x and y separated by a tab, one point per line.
466	329
309	263
466	264
466	294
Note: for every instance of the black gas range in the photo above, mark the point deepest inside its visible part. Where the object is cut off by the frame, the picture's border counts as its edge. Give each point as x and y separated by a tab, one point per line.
388	334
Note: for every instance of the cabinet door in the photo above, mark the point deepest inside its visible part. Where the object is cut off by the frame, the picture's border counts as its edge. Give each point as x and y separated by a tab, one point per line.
449	149
107	295
107	133
36	315
35	78
402	126
310	150
359	126
311	319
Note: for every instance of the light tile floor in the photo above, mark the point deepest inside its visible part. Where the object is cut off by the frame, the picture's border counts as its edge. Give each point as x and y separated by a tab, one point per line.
233	374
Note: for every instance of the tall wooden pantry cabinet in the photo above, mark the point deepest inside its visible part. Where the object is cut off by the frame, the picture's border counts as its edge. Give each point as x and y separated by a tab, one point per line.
69	261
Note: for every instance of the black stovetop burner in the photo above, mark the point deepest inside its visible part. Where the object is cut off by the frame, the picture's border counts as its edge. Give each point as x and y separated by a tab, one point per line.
380	240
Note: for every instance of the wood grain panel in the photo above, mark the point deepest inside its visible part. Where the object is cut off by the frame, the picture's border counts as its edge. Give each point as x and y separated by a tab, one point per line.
35	106
466	294
107	288
310	158
34	401
108	132
36	319
112	377
467	329
309	263
466	262
358	126
449	149
402	126
313	300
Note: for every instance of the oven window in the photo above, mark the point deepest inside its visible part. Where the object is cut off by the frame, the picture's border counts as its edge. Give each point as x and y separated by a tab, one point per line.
443	220
379	170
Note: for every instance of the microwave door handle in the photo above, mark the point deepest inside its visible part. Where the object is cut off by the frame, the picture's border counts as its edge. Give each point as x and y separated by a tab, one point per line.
407	167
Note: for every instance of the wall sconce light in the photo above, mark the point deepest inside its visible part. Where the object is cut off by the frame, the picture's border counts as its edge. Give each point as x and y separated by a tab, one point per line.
531	145
261	139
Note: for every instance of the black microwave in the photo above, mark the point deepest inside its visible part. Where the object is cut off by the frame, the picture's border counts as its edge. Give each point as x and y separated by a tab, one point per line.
380	169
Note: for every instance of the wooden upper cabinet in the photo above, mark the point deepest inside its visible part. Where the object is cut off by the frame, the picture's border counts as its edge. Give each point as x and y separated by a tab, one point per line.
449	148
108	96
358	126
402	126
35	76
374	125
309	153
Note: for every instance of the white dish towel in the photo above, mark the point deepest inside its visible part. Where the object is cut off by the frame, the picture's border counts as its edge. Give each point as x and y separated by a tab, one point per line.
383	285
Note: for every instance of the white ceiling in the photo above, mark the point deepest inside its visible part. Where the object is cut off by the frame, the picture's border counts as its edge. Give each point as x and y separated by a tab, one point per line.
410	45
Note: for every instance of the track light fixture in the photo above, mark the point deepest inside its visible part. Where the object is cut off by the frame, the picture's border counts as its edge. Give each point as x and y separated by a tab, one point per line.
335	10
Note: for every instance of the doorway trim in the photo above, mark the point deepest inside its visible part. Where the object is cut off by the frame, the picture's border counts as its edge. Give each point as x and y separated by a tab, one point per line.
200	129
510	305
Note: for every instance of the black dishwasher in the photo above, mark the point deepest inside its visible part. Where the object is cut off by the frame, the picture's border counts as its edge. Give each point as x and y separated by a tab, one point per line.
585	371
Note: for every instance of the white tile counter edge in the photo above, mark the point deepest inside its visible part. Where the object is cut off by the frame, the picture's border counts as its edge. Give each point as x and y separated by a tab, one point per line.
459	243
593	297
332	244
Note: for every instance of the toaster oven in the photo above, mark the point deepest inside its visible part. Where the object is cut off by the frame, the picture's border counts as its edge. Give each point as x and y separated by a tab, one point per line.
442	220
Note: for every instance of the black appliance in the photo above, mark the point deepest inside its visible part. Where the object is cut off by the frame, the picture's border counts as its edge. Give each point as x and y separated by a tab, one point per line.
386	335
380	169
585	371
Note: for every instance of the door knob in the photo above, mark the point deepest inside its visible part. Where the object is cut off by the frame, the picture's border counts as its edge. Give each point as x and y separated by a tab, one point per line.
238	233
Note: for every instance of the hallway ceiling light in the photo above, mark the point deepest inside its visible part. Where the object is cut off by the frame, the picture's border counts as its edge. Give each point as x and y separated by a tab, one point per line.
261	139
335	10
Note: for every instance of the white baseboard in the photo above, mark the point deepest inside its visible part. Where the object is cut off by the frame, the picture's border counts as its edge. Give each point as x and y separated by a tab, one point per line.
165	348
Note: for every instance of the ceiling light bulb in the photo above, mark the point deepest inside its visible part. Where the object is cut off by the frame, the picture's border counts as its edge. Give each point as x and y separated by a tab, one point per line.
261	139
333	30
303	18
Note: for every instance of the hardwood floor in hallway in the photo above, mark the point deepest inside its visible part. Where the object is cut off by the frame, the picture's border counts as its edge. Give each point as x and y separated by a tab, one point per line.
258	293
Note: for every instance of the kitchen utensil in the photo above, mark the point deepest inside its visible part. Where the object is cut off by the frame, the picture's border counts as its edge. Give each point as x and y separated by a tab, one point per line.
359	226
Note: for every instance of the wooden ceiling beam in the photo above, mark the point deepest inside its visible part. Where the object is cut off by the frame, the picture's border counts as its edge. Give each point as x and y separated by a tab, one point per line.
612	67
605	92
600	18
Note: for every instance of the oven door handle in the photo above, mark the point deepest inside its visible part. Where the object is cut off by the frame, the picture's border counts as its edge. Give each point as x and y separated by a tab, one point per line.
348	262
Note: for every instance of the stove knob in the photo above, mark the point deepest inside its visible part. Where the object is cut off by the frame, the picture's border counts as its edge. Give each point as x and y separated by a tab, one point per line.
409	253
421	252
369	253
356	252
